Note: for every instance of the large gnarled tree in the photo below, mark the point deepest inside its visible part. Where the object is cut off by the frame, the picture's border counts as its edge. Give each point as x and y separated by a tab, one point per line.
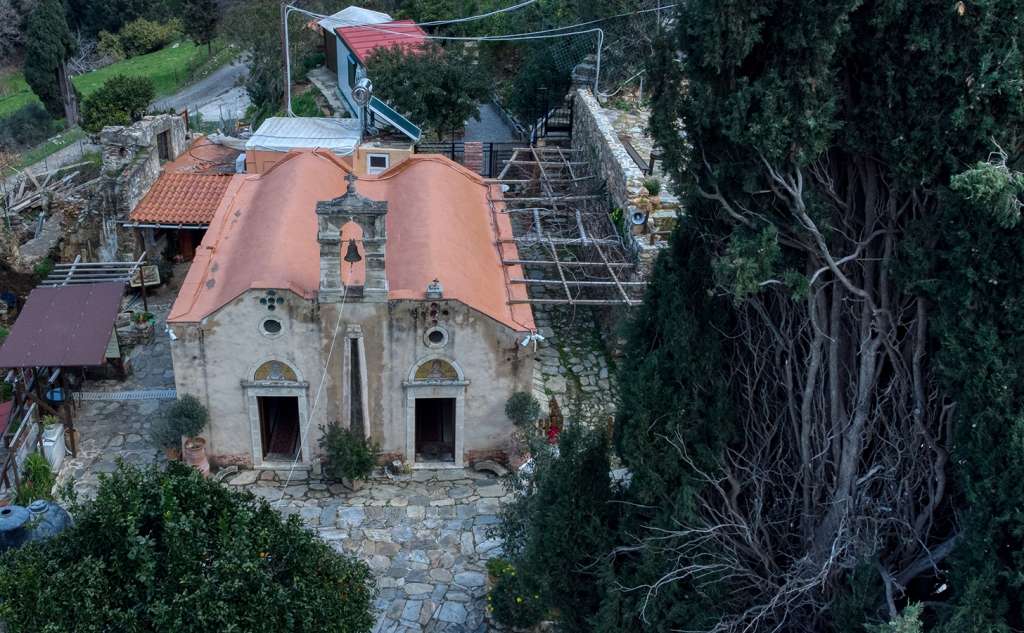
819	136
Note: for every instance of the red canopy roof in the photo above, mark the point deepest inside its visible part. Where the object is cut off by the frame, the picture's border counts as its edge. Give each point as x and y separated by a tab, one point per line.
63	326
363	40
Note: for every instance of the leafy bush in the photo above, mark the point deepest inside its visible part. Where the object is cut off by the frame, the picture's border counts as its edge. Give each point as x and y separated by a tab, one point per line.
37	481
652	185
187	416
349	455
522	408
142	36
511	601
556	533
173	551
26	127
109	45
119	101
164	433
43	268
305	105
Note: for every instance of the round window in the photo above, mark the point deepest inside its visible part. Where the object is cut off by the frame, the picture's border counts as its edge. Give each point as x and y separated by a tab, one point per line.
272	326
436	337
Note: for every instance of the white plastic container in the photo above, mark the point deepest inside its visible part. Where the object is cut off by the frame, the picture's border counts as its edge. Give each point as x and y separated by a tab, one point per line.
53	445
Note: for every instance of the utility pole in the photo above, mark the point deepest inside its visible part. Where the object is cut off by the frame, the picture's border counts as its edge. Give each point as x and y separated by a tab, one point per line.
284	57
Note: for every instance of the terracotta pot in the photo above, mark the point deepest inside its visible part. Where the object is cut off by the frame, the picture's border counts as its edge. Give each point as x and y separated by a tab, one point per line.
173	453
195	455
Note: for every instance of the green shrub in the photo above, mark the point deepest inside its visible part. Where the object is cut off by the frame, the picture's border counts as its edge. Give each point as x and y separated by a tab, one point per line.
511	601
652	185
36	482
109	45
557	532
173	551
142	36
349	455
119	101
43	268
187	416
305	105
26	127
522	408
164	434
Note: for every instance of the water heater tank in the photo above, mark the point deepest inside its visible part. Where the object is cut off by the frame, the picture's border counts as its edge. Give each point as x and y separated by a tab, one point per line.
40	521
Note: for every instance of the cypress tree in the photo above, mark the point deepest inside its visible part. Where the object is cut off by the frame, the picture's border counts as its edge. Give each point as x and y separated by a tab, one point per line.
47	47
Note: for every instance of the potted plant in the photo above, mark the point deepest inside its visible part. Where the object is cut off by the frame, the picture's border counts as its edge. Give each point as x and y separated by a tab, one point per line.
350	456
188	417
143	319
167	437
522	408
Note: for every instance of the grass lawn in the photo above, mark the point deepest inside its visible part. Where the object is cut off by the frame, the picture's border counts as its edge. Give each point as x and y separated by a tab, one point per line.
170	69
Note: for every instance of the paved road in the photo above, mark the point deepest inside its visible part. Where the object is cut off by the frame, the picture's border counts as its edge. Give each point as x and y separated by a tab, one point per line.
221	85
491	128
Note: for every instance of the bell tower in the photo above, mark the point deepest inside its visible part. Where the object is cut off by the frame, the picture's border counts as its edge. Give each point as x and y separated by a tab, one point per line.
369	215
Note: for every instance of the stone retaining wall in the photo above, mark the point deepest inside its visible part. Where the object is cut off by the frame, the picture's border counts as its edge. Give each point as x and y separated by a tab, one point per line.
593	133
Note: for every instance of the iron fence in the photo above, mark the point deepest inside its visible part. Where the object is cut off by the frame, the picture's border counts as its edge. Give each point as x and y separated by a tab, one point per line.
495	154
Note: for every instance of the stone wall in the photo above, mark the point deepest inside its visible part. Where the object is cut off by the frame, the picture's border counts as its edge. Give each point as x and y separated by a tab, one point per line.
131	164
131	161
593	133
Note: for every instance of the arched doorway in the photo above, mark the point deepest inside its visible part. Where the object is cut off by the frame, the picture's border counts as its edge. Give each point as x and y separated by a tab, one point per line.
277	403
435	395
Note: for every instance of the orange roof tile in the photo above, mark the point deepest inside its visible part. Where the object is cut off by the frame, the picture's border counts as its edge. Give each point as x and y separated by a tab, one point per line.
182	198
439	223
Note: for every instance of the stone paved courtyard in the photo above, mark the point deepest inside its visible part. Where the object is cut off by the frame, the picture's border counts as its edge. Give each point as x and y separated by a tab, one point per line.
424	535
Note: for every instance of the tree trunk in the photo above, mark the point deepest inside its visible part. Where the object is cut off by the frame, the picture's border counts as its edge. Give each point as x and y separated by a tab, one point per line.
67	93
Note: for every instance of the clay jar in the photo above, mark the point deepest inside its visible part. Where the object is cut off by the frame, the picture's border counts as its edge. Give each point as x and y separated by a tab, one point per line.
195	454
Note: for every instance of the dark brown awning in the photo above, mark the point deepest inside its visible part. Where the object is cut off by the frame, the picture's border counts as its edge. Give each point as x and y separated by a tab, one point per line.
65	326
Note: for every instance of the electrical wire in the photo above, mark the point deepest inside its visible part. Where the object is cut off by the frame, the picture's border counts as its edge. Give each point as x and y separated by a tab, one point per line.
473	18
542	34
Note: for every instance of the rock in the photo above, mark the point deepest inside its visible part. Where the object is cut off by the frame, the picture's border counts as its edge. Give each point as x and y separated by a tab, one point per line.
415	513
440	575
491	491
245	478
417	588
351	517
466	545
490	466
453	612
310	515
411	611
470	579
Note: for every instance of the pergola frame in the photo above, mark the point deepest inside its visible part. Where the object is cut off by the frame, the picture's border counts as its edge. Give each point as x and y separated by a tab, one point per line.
563	233
79	272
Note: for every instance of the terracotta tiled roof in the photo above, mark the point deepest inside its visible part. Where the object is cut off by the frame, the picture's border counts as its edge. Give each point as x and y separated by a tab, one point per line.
439	225
363	40
182	198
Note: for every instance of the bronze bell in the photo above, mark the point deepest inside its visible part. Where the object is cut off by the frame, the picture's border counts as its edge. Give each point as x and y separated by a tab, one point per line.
352	252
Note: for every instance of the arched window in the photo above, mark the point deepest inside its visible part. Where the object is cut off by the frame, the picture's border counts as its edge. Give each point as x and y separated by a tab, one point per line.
275	370
434	370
